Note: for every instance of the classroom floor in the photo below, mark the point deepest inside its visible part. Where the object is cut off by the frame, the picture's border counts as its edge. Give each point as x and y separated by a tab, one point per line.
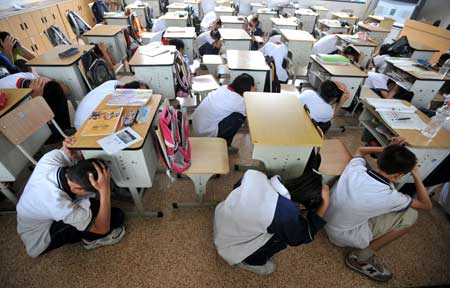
177	250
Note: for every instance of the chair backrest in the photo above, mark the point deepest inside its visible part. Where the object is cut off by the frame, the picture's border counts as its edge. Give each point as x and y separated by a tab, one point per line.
25	119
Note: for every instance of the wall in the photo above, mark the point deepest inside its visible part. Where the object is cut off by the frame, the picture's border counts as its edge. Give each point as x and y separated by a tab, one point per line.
8	4
435	10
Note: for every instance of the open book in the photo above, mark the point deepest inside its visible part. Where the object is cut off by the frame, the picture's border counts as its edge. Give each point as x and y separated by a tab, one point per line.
391	105
129	97
333	59
102	122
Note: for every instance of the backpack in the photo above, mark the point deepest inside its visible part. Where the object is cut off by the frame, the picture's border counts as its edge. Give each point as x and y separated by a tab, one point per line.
97	71
173	126
272	77
98	9
148	17
136	26
399	48
182	75
57	36
79	26
132	44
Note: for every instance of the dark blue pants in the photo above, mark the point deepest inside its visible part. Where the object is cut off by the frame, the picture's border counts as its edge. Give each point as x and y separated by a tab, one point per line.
260	256
229	126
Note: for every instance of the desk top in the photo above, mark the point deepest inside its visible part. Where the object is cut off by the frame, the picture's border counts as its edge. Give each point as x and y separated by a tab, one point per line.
413	137
421	47
417	72
135	5
267	115
180	32
373	28
115	16
14	97
212	59
328	23
177	5
257	4
335	157
138	59
232	19
204	83
291	21
209	155
266	11
297	35
366	92
224	9
343	15
307	12
246	60
379	18
340	70
234	34
175	15
90	142
356	41
51	58
319	8
104	30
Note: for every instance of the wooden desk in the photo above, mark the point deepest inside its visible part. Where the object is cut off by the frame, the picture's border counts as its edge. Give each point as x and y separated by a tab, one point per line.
14	97
65	70
223	11
284	23
185	34
234	22
300	44
133	167
328	27
429	152
384	22
376	33
422	51
251	62
111	35
139	9
342	16
308	18
235	39
350	75
177	19
157	72
264	16
284	149
117	19
365	47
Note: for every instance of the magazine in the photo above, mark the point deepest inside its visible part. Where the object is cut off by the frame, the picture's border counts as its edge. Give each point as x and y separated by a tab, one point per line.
102	122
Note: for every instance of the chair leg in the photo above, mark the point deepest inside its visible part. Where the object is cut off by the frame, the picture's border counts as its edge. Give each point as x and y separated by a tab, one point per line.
8	193
59	128
32	160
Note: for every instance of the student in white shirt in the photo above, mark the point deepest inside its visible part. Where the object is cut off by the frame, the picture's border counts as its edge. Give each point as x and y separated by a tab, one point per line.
386	88
209	43
327	45
93	98
320	104
55	207
275	48
222	112
366	211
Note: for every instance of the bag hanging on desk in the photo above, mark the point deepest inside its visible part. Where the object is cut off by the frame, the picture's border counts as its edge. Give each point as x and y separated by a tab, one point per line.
79	26
97	71
98	9
272	77
57	36
183	76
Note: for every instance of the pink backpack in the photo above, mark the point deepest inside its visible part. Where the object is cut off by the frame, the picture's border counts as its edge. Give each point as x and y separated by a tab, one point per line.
173	126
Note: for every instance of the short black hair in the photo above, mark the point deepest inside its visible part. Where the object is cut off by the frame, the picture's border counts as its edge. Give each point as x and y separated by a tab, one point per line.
179	44
3	35
384	49
329	91
215	34
242	83
52	93
306	190
396	159
79	173
350	50
134	85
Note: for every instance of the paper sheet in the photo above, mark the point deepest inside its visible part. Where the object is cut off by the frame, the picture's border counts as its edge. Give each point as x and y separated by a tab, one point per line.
119	140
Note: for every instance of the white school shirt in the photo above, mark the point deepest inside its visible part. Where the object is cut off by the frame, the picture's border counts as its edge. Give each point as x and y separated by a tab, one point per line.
43	201
241	220
325	45
92	100
10	81
320	110
358	196
279	52
379	62
376	81
205	37
218	105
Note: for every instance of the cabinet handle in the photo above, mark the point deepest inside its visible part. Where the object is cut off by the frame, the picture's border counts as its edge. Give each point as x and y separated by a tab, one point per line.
26	26
36	47
45	18
42	20
32	48
54	17
21	26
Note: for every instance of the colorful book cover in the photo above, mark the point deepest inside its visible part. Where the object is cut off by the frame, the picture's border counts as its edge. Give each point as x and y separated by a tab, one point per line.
102	122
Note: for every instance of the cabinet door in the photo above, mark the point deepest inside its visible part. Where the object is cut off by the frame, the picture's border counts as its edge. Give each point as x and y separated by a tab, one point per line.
56	17
38	44
4	26
39	21
29	24
46	41
47	18
28	44
18	28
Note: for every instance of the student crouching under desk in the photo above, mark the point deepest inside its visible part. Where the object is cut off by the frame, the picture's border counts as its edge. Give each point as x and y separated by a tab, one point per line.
327	45
222	112
383	86
258	219
366	211
56	206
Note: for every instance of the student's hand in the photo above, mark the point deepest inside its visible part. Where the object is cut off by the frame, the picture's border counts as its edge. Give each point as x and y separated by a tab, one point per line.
218	44
415	171
71	153
398	140
344	89
37	86
325	194
8	43
103	182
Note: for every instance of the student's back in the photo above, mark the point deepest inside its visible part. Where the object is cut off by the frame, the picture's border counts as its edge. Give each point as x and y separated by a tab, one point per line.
279	52
10	81
326	45
320	110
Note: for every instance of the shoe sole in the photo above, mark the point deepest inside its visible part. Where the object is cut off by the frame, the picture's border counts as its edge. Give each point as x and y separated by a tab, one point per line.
349	265
114	241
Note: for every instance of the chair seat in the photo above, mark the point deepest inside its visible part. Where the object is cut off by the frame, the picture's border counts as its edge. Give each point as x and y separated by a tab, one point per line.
204	83
335	157
209	155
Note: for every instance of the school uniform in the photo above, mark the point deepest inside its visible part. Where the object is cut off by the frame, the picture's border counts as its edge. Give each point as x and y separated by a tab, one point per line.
363	206
49	214
320	111
279	52
206	44
325	45
376	81
379	62
92	100
12	81
258	219
220	114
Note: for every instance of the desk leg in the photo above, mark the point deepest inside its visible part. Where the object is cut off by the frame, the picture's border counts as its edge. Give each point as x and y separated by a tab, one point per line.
137	198
200	181
8	193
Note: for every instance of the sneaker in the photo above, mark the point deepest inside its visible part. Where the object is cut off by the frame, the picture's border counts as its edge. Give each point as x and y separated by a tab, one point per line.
372	268
232	150
112	238
265	269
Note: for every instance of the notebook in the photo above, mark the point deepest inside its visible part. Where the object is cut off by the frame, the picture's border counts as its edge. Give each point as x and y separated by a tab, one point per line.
129	97
333	59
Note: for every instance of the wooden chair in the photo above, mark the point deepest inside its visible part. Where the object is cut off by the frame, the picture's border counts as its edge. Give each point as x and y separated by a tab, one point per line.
335	157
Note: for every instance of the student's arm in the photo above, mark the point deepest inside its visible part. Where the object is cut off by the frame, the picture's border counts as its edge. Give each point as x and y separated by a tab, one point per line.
7	47
389	94
345	96
325	201
423	200
25	52
103	186
361	151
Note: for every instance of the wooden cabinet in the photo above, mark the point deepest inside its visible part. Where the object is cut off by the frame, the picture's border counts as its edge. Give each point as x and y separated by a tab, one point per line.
18	28
29	24
64	8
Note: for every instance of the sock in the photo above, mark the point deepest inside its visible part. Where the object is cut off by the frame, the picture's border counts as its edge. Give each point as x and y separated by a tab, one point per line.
363	255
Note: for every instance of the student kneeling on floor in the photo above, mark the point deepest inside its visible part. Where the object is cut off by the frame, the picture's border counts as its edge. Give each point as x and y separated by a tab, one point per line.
258	219
367	212
222	112
55	207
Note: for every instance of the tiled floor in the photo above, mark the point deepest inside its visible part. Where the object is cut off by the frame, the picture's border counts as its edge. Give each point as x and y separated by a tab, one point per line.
177	250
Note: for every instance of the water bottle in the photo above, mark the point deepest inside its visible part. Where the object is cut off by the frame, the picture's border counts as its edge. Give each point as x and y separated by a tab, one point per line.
436	122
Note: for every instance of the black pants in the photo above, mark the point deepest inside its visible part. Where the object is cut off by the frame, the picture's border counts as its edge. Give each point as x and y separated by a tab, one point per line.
229	126
62	233
260	256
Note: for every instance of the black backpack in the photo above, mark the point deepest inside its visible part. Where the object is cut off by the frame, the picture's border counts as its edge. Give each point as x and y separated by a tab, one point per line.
98	9
57	36
79	26
399	48
148	17
97	71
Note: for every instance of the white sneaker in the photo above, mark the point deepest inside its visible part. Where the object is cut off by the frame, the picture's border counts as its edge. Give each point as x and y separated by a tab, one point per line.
112	238
265	269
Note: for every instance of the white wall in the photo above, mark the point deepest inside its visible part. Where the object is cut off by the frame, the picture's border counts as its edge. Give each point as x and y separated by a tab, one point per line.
359	9
434	10
4	4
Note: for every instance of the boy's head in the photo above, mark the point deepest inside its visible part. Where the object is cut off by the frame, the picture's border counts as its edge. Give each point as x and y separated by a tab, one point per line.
395	161
3	36
53	90
351	53
179	44
243	83
330	92
306	191
134	85
215	34
78	176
